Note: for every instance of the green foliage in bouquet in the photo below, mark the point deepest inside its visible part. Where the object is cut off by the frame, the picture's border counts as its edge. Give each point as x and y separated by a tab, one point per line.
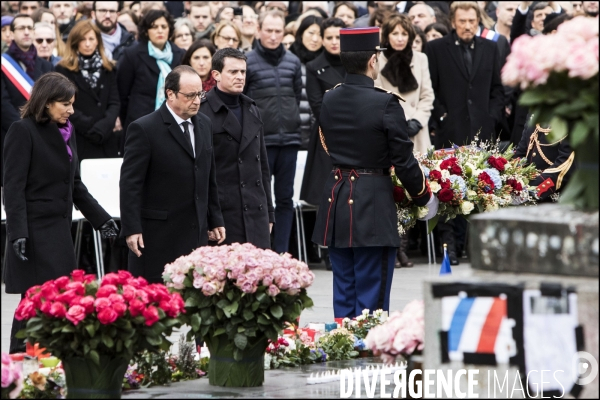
153	368
78	317
559	77
338	345
240	293
362	324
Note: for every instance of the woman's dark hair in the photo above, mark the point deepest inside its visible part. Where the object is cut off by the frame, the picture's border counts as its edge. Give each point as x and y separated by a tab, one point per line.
319	10
218	60
149	18
391	23
49	88
436	26
198	44
329	22
298	47
553	20
421	34
379	16
348	4
355	62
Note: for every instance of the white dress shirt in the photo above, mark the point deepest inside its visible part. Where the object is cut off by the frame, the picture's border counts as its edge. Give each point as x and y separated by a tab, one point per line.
179	121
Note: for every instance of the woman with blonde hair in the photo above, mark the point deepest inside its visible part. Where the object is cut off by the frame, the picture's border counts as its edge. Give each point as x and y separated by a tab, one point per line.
227	34
405	71
97	102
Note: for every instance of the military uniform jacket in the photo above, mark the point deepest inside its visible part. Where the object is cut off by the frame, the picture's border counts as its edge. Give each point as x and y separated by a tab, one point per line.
364	128
554	160
242	167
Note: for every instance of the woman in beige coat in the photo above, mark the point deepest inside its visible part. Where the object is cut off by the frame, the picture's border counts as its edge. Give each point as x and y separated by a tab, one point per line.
406	72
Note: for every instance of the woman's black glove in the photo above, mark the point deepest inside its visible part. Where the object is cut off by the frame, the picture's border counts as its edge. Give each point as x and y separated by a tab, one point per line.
109	229
414	127
19	248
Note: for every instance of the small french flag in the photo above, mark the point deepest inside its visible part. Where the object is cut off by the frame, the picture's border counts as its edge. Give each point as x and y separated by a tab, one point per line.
445	268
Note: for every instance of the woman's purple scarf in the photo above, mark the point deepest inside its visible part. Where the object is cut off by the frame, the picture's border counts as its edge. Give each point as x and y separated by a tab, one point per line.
66	130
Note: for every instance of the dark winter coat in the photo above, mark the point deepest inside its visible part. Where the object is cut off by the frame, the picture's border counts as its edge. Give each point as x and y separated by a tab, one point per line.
137	78
465	104
96	111
277	89
127	40
320	77
167	194
13	100
242	167
41	186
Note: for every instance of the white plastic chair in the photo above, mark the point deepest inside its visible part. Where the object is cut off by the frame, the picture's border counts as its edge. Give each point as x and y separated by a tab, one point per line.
101	177
300	205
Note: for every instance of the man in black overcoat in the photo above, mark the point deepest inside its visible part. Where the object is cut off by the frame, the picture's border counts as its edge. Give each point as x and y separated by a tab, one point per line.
465	75
243	176
365	133
469	96
169	198
23	52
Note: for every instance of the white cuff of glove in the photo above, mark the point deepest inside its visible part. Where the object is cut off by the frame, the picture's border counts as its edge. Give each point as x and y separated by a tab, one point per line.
432	206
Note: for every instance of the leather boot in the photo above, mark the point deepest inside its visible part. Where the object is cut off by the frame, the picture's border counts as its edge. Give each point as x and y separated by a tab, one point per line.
401	257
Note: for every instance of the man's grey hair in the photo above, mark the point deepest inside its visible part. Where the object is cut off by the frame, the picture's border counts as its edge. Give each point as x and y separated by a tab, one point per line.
45	25
429	9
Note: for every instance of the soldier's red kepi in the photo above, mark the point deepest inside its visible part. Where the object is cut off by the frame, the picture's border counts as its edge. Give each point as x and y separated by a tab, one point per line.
360	39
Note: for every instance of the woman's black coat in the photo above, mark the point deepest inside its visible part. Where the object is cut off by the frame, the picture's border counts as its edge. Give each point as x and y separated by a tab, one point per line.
320	77
41	186
243	177
96	111
137	77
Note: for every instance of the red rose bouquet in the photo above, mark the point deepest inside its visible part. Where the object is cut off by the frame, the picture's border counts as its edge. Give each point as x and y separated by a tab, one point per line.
78	316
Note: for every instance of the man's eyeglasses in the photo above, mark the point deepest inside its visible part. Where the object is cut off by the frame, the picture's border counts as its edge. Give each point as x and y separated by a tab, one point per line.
192	96
42	40
183	35
104	12
229	39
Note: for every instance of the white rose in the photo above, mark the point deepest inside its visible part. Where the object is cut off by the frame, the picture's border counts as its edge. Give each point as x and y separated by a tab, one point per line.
423	211
466	207
445	174
434	186
365	311
491	207
471	194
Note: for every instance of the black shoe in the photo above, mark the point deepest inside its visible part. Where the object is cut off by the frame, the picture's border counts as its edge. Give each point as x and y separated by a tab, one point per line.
453	259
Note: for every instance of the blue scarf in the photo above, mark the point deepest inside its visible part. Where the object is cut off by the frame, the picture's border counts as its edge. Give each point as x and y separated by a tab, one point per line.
163	59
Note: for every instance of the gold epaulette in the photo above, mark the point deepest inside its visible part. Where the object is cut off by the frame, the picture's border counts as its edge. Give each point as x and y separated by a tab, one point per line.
335	87
390	92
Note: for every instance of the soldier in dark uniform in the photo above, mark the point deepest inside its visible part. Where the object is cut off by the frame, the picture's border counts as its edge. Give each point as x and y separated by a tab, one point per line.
364	131
555	160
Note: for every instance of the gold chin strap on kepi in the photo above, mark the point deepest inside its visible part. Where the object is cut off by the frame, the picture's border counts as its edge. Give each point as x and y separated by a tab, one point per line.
323	141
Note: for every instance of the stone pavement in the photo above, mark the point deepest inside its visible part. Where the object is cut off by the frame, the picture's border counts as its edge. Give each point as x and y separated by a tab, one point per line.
284	383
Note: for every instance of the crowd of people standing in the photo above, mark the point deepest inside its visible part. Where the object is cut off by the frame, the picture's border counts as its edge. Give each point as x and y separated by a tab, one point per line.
443	58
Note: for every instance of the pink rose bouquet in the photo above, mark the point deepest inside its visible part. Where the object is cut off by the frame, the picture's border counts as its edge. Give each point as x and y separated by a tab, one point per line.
12	378
77	316
558	74
402	334
239	291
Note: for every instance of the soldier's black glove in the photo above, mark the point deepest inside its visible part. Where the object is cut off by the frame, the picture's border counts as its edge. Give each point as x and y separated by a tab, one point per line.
19	248
109	229
414	127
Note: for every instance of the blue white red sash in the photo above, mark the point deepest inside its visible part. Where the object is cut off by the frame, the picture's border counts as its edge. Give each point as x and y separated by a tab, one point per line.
17	75
490	35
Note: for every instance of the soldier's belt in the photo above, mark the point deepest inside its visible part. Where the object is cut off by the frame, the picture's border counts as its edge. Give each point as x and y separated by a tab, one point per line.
361	171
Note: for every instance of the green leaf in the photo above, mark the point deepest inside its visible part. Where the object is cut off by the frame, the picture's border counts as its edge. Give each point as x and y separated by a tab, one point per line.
223	303
93	355
276	311
154	340
21	334
432	223
90	329
248	315
107	340
191	302
260	296
255	305
119	346
578	134
262	320
230	295
219	331
68	329
195	321
86	348
241	329
559	128
241	341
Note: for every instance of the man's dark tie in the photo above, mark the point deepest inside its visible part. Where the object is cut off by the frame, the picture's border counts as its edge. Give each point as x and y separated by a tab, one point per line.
468	57
186	133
